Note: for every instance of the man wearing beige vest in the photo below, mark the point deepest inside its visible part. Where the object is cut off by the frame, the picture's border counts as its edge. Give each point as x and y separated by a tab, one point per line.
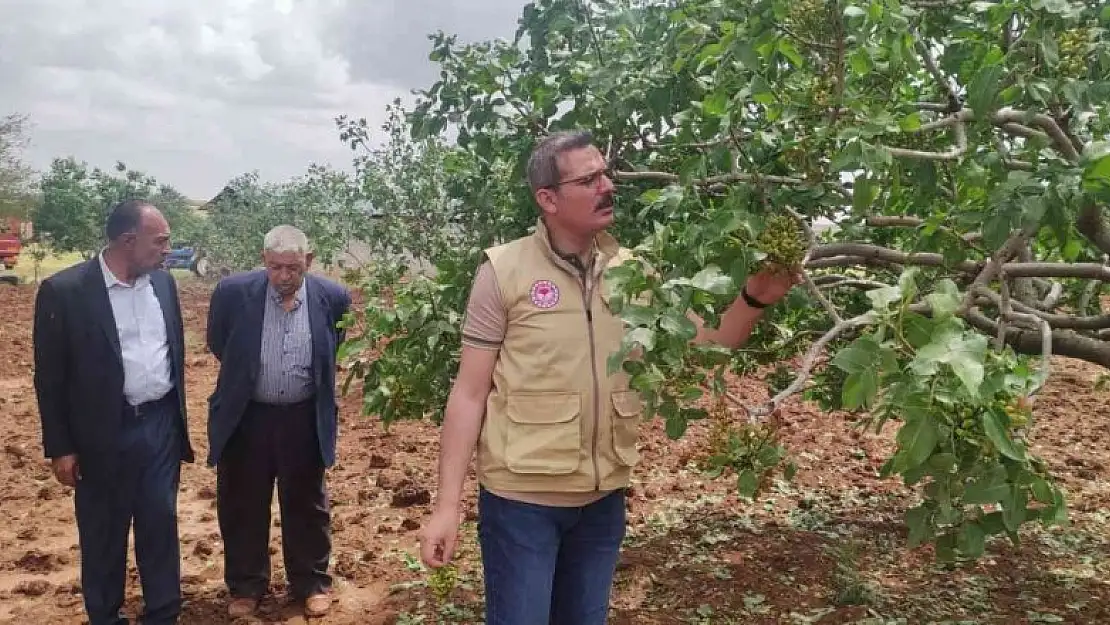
555	434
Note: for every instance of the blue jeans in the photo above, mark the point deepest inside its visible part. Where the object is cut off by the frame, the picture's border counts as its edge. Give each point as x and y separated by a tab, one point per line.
548	565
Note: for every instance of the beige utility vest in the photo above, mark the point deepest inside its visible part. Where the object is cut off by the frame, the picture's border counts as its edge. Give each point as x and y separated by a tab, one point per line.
555	420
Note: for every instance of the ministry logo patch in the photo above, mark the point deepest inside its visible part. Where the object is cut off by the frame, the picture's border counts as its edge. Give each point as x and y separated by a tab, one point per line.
544	294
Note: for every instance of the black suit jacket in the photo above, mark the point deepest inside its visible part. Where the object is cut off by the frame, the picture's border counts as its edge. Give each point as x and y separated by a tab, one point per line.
235	319
79	366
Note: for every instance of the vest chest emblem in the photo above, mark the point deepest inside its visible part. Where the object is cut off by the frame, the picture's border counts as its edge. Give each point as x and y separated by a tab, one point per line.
544	294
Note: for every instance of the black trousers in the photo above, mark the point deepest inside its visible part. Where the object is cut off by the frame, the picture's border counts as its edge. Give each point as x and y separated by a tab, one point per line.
138	483
274	443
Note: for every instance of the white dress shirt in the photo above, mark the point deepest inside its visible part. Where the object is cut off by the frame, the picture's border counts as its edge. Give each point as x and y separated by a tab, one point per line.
147	374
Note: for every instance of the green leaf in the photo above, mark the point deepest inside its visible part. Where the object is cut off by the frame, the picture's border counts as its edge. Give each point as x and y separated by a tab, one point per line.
964	353
1042	491
996	229
1013	509
917	439
986	491
854	11
864	193
787	49
677	324
716	103
983	89
643	336
972	540
996	433
944	300
910	122
789	471
747	483
636	315
712	280
883	297
860	62
1096	173
917	520
864	360
849	158
918	329
617	358
675	421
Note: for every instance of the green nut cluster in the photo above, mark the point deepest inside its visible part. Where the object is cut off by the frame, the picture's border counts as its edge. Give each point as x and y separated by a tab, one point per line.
1073	45
442	581
813	20
783	241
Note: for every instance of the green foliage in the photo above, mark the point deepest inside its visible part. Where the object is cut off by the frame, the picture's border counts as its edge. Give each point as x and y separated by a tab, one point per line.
963	413
323	203
17	196
76	201
404	343
723	117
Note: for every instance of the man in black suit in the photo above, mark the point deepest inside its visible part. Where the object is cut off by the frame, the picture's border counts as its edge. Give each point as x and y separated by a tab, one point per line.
273	417
110	380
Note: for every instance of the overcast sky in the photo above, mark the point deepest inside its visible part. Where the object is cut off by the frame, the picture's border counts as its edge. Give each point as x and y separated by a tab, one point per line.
198	92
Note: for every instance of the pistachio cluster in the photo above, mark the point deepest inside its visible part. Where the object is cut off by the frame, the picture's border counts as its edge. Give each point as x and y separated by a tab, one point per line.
1073	45
783	241
442	581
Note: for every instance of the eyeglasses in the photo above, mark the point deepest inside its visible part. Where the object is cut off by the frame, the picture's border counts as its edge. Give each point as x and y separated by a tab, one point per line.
592	179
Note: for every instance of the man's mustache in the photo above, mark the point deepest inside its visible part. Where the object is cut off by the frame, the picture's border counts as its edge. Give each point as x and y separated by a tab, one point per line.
605	202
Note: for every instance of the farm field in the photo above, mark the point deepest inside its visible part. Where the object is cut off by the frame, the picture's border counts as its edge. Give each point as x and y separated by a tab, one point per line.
826	548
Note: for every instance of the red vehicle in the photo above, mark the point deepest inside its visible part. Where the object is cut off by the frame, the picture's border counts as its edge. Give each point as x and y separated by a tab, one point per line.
11	231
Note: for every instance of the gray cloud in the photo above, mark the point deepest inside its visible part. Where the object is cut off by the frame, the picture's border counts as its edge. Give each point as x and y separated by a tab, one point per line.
389	42
196	93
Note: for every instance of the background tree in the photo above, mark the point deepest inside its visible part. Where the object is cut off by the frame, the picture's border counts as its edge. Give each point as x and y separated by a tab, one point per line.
17	195
76	200
957	147
324	203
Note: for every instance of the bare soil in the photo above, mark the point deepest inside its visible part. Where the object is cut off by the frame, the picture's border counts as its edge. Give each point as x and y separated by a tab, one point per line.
827	548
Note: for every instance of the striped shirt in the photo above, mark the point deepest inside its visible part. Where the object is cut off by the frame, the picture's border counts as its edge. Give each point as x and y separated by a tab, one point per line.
285	372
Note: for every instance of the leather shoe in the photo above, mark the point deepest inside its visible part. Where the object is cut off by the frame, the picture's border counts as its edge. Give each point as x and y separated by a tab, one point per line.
242	606
317	605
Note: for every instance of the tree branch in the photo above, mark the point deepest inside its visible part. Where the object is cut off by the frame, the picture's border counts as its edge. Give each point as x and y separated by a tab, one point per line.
1046	345
662	176
1015	121
830	281
906	221
849	254
1019	130
1093	271
1064	342
1064	145
1057	321
808	362
942	80
726	179
952	154
1091	224
1008	250
811	242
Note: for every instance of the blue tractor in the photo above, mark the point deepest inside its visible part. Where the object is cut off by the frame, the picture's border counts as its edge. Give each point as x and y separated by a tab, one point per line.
185	256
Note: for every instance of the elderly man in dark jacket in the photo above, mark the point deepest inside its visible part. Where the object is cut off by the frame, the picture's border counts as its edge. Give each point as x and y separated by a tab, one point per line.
272	418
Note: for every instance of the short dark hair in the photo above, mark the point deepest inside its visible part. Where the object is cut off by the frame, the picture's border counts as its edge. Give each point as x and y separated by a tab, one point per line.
124	217
543	165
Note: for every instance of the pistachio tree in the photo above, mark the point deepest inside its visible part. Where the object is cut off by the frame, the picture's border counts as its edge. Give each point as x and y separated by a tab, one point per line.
76	198
936	170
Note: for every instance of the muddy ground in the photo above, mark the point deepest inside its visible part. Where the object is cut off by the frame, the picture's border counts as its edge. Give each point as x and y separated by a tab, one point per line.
826	548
